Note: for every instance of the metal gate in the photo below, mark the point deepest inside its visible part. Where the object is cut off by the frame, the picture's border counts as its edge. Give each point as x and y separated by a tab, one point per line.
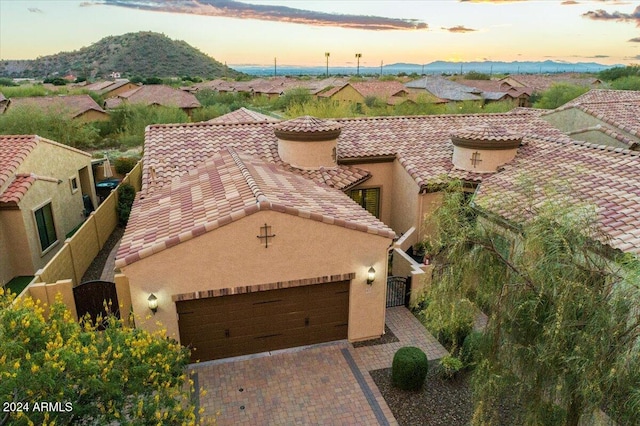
97	299
398	291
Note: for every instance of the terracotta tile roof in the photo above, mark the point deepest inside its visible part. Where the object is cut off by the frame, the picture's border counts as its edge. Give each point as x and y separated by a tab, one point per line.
422	145
170	151
600	176
17	189
540	82
242	115
381	89
228	187
72	105
13	151
606	96
485	132
103	87
307	124
618	108
155	95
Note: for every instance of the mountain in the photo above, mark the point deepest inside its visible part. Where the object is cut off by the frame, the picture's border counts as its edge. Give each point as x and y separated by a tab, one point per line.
145	54
437	67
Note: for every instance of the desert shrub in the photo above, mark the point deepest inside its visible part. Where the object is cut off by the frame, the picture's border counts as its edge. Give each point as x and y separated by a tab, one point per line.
559	94
450	324
126	195
471	349
449	366
409	368
124	165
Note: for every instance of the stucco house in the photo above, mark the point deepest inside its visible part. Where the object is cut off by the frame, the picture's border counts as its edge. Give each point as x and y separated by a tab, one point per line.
242	115
390	92
234	217
77	107
111	88
42	184
606	117
155	94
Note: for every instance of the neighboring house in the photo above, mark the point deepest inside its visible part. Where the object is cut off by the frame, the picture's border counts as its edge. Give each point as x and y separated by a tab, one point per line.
444	90
605	117
390	92
234	217
77	107
242	115
494	90
4	102
42	186
109	89
537	83
156	95
580	173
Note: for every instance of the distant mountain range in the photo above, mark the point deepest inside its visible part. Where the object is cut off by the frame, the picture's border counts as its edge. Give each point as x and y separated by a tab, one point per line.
144	54
437	67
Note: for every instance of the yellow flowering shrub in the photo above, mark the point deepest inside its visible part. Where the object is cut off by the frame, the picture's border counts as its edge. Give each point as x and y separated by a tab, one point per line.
56	371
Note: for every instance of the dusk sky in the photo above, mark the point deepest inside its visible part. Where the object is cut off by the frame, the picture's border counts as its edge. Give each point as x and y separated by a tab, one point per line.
299	32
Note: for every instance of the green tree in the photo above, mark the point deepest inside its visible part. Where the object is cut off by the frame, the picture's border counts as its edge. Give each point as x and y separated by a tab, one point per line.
559	94
564	331
618	72
120	375
631	82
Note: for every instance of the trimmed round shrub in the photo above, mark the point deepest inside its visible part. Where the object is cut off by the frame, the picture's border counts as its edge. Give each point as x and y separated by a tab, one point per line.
124	165
409	368
470	352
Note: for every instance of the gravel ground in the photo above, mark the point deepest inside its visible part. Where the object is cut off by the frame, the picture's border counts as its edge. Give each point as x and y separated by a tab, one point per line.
95	269
441	402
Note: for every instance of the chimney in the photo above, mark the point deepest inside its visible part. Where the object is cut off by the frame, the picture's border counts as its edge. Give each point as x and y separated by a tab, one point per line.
308	143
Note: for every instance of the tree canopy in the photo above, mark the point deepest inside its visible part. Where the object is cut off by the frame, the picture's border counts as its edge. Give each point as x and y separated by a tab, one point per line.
559	94
563	336
121	375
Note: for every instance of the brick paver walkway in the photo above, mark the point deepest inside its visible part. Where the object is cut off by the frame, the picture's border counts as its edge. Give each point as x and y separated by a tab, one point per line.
322	384
409	331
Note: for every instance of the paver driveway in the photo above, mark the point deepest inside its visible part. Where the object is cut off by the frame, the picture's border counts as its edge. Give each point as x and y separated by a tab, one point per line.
323	384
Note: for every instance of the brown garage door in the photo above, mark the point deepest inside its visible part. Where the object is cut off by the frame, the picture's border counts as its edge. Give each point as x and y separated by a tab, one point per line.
226	326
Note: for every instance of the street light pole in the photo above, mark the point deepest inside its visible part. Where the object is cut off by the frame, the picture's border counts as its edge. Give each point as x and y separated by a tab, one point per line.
326	55
358	56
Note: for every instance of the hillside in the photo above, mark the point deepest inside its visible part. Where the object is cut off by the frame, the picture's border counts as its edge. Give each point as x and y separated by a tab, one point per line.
145	54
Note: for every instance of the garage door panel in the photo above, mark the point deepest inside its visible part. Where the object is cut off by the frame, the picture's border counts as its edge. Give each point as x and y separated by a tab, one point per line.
235	325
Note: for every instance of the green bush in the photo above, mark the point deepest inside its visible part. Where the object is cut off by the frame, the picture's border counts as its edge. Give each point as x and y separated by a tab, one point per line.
450	366
409	368
471	350
124	165
126	195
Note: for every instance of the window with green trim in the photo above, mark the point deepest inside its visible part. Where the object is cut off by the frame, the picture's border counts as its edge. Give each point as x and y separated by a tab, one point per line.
46	227
368	198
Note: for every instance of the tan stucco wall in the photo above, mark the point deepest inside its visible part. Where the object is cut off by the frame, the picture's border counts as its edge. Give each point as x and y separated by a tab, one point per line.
573	119
381	177
47	294
428	203
52	161
92	115
15	254
348	94
490	159
404	200
232	256
115	92
310	155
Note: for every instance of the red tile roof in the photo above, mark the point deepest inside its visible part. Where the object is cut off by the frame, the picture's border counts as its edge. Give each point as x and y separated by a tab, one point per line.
71	105
172	150
579	173
155	95
17	189
13	151
228	187
242	115
421	143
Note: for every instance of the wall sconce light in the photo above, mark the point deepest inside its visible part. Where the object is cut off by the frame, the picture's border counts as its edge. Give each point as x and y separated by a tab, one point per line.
371	275
153	303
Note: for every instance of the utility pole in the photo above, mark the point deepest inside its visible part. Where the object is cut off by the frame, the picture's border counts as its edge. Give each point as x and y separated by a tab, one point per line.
380	68
422	69
275	67
326	55
358	56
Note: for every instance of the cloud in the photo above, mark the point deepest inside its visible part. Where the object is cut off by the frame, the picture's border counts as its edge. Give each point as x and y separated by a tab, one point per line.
634	40
459	29
236	9
603	15
490	1
35	10
568	2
